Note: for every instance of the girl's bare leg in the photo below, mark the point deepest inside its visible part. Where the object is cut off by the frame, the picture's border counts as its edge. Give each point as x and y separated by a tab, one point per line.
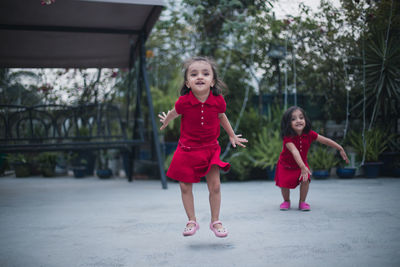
285	194
304	190
214	188
188	201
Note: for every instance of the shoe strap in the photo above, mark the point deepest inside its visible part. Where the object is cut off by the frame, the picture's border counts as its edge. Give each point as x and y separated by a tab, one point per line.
192	222
216	222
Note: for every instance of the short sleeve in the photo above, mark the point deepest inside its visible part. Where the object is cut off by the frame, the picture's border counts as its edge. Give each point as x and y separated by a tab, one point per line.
221	104
313	135
287	139
179	105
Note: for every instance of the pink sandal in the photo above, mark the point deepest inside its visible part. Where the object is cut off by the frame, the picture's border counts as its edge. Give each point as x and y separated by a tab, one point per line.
221	232
303	206
188	231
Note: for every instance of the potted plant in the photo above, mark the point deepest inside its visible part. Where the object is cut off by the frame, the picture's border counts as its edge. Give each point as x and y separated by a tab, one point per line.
266	150
321	160
103	171
345	172
47	163
20	164
376	142
78	164
396	167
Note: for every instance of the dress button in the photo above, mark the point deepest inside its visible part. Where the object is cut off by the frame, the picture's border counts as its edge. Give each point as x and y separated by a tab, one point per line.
202	111
202	123
202	118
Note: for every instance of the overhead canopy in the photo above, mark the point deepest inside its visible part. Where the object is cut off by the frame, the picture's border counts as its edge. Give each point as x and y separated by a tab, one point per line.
73	33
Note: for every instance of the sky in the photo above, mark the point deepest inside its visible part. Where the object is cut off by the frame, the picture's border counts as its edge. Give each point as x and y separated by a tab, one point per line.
291	7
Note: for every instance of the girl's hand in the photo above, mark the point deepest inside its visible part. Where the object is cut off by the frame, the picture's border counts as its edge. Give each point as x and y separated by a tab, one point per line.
237	140
163	119
344	156
304	176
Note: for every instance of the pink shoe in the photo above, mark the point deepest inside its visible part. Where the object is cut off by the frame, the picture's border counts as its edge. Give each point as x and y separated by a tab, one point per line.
221	232
303	206
188	231
285	205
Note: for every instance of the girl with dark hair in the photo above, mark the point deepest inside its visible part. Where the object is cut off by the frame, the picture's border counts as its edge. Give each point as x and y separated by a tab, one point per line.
202	110
292	168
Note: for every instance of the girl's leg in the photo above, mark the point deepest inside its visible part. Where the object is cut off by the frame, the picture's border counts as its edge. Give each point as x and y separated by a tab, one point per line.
304	190
214	187
285	194
188	201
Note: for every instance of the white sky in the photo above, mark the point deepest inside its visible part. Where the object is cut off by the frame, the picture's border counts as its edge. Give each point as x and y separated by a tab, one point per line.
291	7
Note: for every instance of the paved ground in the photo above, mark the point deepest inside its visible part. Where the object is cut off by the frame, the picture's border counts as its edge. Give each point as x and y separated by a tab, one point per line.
90	222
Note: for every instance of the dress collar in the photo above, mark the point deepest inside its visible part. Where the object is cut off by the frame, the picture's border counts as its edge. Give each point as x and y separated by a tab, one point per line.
211	99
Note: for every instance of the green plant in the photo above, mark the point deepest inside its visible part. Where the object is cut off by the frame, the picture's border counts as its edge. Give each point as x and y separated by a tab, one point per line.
16	158
76	160
103	158
321	158
167	161
47	159
20	164
267	148
47	163
241	165
376	141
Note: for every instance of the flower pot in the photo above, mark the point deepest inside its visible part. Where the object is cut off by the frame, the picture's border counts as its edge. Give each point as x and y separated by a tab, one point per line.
21	169
396	172
321	174
346	172
104	173
372	169
271	173
48	171
79	171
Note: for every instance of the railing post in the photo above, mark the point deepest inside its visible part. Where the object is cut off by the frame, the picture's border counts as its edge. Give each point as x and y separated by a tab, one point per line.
151	111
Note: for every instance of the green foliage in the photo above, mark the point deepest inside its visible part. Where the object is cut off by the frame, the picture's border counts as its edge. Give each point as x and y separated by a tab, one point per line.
241	165
75	159
103	157
321	158
382	71
167	161
13	91
266	149
47	159
376	142
16	158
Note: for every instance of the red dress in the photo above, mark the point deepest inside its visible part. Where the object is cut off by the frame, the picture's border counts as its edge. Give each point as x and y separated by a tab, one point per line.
287	171
198	147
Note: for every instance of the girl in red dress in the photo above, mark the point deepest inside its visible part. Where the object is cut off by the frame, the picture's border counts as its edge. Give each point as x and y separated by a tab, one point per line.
292	168
202	110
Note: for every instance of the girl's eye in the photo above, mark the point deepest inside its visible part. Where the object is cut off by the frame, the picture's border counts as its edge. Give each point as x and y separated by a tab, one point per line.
206	74
193	74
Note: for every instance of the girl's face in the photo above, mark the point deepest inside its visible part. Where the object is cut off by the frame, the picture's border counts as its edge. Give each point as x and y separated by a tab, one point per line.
200	77
298	121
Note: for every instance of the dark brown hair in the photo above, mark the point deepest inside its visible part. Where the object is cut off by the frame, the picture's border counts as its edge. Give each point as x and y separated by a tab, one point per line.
286	122
219	86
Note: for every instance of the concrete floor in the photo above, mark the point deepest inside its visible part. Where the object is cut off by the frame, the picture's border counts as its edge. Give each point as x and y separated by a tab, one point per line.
69	222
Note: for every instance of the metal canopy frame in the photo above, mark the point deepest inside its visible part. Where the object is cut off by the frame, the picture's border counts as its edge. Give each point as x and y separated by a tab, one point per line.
83	34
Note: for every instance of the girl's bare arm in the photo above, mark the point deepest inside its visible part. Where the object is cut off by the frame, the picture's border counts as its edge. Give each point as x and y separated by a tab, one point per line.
233	138
329	142
296	155
166	118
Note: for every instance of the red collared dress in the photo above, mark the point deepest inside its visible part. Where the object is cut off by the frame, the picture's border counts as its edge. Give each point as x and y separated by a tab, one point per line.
287	171
198	147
